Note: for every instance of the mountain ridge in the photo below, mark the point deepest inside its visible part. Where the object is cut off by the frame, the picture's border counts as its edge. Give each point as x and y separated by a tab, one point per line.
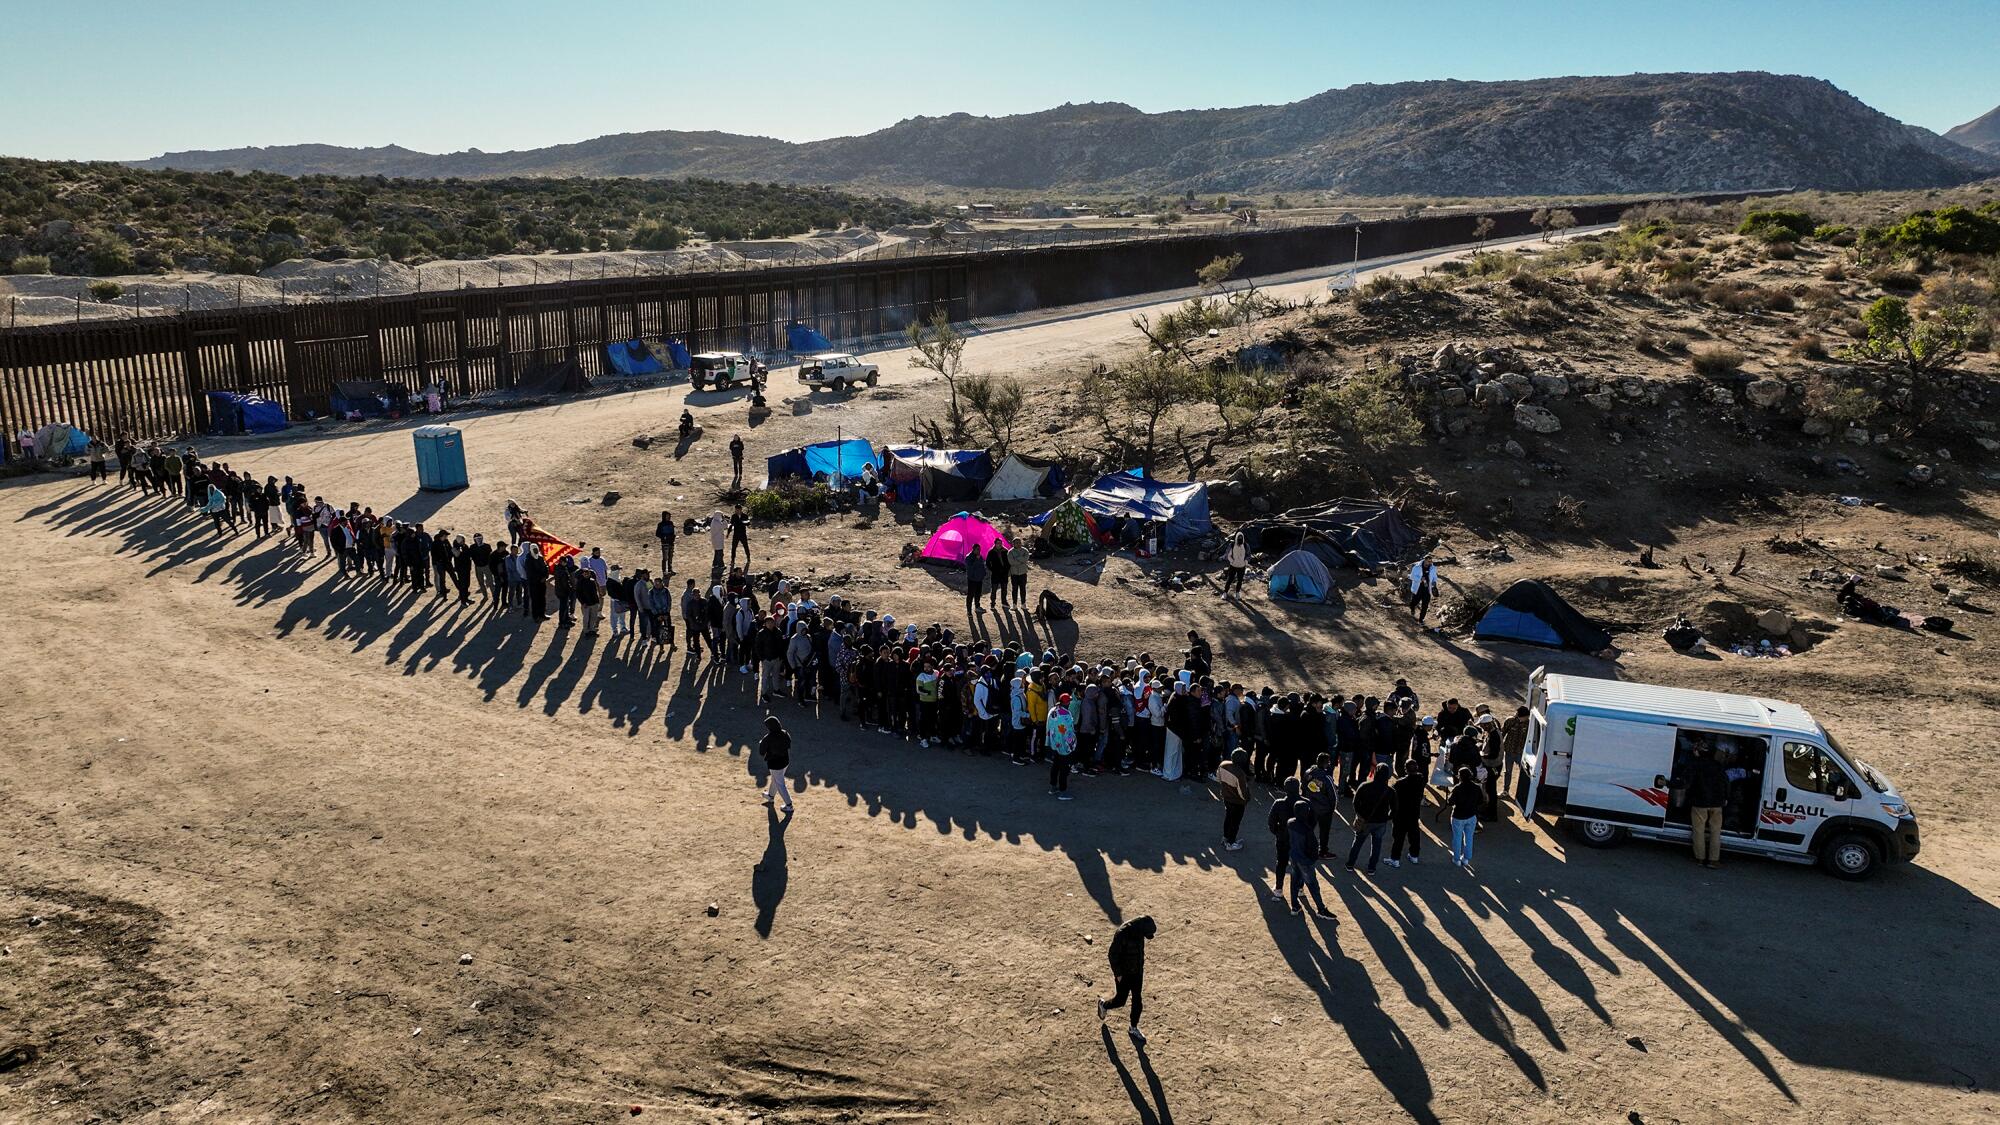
1579	134
1981	133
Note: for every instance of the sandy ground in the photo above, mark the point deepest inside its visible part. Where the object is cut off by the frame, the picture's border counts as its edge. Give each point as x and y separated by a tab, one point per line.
262	813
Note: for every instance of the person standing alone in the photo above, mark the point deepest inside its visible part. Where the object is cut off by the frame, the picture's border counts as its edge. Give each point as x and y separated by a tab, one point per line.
1707	785
1423	587
666	533
736	461
1128	971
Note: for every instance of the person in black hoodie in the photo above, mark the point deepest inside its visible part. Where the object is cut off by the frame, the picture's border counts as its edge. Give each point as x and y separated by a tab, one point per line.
1706	783
1282	811
1128	970
1374	806
564	574
776	748
1407	810
666	533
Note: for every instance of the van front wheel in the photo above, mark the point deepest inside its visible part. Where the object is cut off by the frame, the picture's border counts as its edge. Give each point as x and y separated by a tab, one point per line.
1598	834
1853	857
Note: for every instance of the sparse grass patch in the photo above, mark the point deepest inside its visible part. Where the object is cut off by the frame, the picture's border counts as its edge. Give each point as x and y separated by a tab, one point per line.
1716	359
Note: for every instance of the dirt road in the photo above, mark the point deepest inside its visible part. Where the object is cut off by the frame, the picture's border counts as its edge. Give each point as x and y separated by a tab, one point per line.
258	818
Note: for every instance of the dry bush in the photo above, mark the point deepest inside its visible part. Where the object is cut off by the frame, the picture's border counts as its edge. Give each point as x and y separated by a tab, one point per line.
1897	280
1782	251
1825	297
1680	289
1716	359
1808	346
1834	270
1659	342
1567	511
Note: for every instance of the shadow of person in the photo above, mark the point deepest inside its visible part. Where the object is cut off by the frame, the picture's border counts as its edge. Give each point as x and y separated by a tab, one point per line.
769	878
1153	1112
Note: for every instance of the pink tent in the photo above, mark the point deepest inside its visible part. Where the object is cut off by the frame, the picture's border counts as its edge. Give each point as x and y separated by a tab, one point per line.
961	535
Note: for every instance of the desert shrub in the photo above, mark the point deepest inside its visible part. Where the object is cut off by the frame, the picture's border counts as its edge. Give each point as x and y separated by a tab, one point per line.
1834	270
1808	346
1680	268
29	263
1716	359
1896	280
1781	251
1736	296
1834	234
1824	297
105	291
1368	409
1929	340
1533	315
1776	225
1680	289
789	499
1951	230
1839	403
1567	511
1658	342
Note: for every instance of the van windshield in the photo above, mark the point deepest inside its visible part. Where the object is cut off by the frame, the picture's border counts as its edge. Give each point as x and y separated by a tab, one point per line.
1867	771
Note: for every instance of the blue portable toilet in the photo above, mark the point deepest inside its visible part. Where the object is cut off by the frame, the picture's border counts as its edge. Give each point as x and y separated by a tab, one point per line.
440	458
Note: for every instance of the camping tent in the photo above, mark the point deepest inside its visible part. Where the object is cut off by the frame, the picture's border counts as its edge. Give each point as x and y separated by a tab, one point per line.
631	357
805	338
833	458
959	536
60	439
1019	478
232	413
1531	613
1301	577
917	473
1066	527
1367	534
370	398
1132	495
678	353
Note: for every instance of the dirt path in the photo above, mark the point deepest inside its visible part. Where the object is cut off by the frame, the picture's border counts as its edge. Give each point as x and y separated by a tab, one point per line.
262	814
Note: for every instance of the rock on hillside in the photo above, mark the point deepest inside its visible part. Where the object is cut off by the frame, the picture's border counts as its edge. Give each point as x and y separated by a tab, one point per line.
1630	133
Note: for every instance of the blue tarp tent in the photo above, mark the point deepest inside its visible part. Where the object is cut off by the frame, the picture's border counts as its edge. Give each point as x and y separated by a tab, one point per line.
1132	495
1531	613
1301	577
919	473
678	353
834	458
805	338
232	413
632	357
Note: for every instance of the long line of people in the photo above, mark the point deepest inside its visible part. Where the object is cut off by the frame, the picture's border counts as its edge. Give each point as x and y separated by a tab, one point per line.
931	686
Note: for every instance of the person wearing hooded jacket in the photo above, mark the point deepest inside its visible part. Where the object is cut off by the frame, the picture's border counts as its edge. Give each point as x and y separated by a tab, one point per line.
1279	821
776	748
1127	955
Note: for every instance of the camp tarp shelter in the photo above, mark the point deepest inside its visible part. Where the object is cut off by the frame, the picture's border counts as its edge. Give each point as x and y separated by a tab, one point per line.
1531	613
919	473
806	339
370	398
1301	577
1367	534
679	354
231	412
60	439
555	377
1020	478
834	458
959	536
1066	527
631	357
1132	495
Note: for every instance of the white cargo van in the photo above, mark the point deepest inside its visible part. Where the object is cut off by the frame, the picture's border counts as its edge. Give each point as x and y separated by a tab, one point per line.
1604	755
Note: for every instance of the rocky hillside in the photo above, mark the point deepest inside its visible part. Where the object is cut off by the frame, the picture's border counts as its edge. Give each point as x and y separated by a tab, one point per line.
1633	133
1982	132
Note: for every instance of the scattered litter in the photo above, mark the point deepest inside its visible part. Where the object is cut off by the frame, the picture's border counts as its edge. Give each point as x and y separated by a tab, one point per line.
1635	1042
465	958
1852	501
713	910
35	920
414	1032
19	1055
1762	650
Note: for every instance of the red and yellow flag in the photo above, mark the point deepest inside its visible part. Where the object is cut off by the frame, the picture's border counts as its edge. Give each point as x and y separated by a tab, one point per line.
553	550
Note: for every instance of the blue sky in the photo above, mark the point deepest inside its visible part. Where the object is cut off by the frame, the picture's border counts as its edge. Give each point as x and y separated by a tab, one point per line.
119	79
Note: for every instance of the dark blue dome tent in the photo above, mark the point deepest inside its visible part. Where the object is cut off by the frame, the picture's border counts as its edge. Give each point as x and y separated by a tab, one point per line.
231	412
1529	612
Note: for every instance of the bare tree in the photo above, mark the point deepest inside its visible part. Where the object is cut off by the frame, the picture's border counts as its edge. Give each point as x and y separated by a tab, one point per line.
996	402
1560	221
1541	219
940	347
1131	400
1481	231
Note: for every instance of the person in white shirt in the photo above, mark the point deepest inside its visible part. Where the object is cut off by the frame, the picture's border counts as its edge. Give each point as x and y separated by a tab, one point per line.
1236	562
718	536
596	565
1423	587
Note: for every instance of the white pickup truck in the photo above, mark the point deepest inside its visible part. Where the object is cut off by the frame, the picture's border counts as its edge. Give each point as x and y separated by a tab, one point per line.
838	370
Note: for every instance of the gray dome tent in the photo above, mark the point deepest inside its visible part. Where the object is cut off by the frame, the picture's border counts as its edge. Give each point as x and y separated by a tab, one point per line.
1529	612
1301	577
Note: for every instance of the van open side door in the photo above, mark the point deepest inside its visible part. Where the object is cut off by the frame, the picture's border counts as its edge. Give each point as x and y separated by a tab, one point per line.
1618	771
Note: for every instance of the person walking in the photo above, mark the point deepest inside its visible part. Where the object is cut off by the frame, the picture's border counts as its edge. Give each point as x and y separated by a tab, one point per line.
1463	803
776	748
1374	808
975	582
1061	739
1234	777
1423	587
739	536
1406	811
665	532
1236	562
1127	955
736	461
1705	784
